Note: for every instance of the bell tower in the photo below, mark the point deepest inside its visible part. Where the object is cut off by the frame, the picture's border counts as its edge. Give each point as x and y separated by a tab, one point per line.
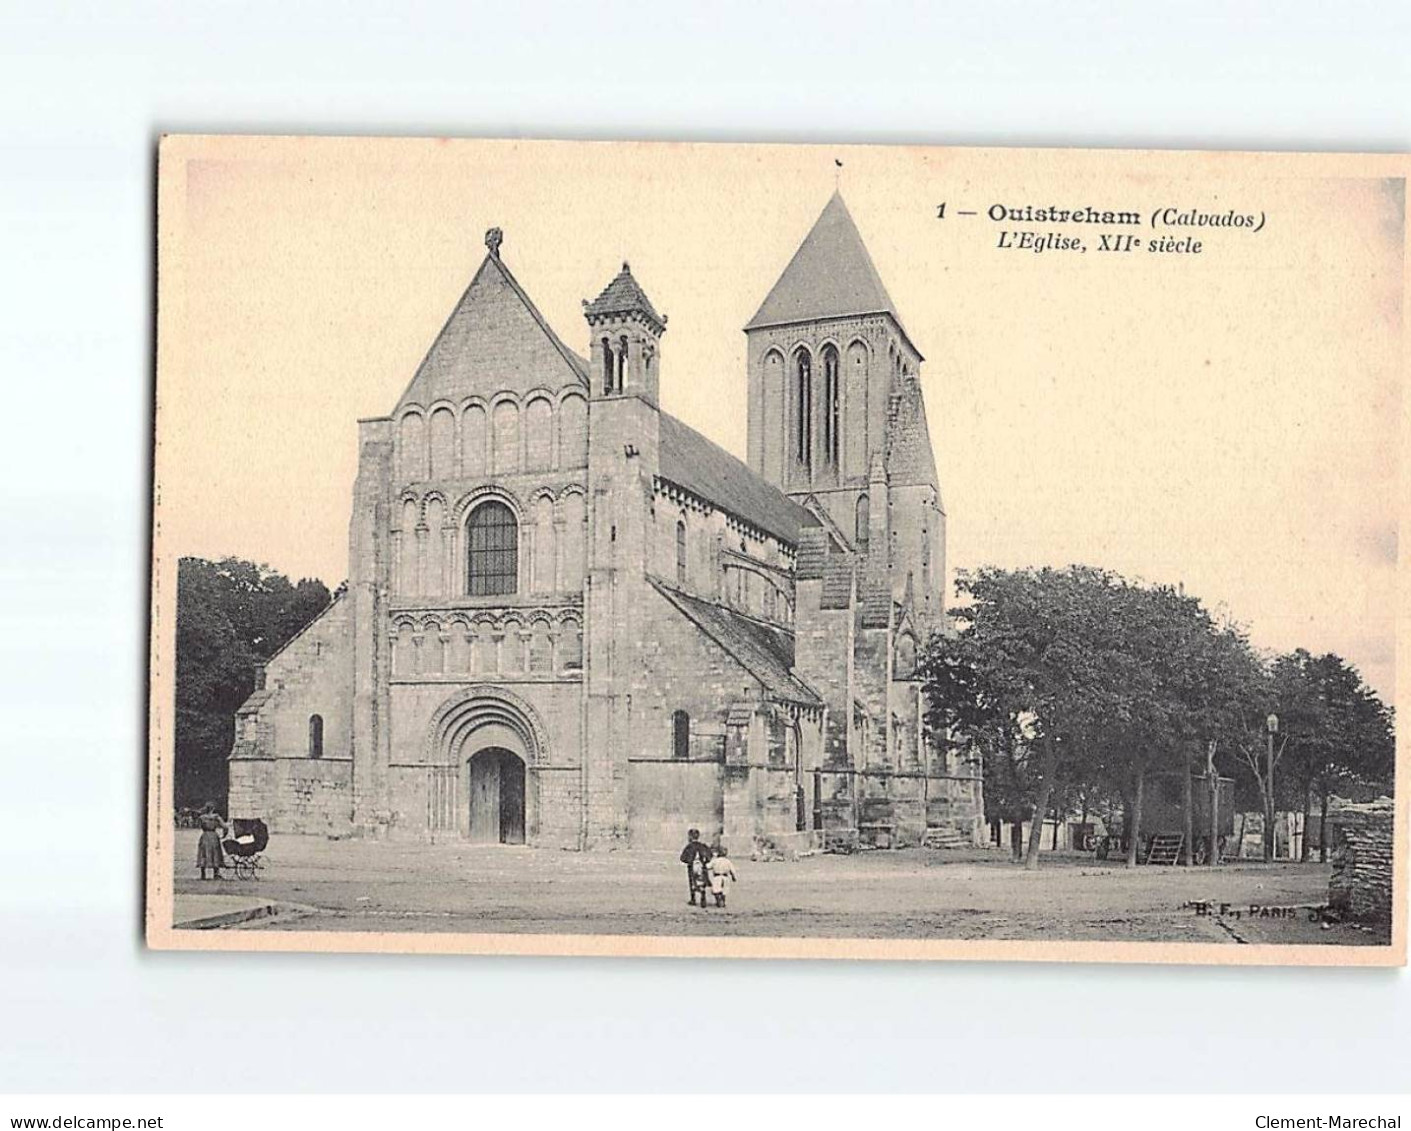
625	337
624	440
837	419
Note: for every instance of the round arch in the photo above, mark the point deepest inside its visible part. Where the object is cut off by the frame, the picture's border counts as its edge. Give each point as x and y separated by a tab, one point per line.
496	742
480	706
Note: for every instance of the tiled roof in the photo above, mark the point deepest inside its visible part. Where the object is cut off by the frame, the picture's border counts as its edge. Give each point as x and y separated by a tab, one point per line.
623	296
812	554
877	604
254	701
830	276
767	653
708	471
837	582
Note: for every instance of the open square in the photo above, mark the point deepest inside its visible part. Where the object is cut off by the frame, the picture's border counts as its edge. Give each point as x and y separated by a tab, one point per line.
316	884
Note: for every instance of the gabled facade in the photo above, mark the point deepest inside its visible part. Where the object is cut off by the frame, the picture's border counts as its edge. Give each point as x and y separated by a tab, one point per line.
573	620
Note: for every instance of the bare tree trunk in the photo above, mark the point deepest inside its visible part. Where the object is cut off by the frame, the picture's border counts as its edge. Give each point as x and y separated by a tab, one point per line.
1187	813
1057	819
1016	841
1323	829
1036	829
1135	841
1036	826
1307	817
1213	853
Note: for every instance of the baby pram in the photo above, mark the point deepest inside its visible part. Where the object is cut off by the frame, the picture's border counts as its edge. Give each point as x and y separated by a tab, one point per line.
248	838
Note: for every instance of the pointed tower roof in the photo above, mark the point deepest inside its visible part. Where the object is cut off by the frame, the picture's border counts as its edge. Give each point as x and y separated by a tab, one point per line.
624	296
830	276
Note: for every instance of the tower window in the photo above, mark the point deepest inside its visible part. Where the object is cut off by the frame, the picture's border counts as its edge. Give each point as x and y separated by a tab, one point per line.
803	408
607	366
315	736
492	556
680	553
830	406
680	735
621	363
863	524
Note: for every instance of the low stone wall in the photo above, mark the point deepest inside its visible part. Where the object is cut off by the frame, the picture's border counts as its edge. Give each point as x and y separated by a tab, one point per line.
895	809
1363	860
294	795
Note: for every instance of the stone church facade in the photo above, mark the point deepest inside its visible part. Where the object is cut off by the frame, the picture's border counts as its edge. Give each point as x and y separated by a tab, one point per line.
572	620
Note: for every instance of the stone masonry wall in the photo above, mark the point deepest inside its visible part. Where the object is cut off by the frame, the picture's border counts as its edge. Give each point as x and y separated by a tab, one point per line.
1363	860
273	771
314	796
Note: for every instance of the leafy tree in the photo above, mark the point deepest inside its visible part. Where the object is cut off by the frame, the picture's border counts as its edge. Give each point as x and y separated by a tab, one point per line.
1338	733
1036	677
1076	684
231	616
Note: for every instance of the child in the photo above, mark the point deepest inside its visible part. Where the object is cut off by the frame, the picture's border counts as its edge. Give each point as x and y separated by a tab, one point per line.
721	873
696	857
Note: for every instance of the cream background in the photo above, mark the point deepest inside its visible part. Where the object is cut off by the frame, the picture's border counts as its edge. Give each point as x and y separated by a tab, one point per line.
1228	421
84	100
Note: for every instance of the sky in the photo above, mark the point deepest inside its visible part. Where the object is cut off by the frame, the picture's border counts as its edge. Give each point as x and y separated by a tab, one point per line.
1228	420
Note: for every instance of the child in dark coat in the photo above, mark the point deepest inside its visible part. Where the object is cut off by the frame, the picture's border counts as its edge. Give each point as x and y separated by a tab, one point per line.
696	857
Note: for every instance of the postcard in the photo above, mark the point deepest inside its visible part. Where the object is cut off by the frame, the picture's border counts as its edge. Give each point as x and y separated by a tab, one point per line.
785	551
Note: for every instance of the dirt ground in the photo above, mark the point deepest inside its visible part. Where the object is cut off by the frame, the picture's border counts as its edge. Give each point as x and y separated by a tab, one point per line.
356	885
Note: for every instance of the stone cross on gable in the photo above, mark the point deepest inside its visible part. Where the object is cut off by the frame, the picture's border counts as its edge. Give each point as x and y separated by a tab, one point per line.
493	239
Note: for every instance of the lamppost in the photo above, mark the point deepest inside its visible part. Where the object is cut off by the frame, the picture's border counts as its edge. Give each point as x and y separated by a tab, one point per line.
1272	723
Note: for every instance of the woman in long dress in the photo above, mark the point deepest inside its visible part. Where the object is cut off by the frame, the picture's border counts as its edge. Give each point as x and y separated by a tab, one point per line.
208	850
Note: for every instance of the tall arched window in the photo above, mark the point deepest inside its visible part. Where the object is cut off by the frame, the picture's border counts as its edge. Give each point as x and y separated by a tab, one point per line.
571	646
680	553
621	363
607	366
680	734
863	523
541	648
803	408
315	736
492	554
831	398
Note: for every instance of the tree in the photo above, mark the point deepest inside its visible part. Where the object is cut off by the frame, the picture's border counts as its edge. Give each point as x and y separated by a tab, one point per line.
231	616
1078	683
1338	732
1035	678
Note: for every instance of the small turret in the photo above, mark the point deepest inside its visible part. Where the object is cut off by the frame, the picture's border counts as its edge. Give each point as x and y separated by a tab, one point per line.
625	332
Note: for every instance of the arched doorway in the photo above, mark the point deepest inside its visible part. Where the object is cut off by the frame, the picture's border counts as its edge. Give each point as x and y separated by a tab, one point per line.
496	795
490	743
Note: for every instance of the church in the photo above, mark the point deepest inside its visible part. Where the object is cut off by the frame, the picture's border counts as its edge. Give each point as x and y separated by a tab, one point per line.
572	620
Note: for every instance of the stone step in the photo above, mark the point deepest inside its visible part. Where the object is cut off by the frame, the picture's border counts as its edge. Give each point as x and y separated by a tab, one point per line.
944	836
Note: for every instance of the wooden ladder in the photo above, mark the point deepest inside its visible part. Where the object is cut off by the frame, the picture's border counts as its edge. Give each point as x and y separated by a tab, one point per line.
1165	848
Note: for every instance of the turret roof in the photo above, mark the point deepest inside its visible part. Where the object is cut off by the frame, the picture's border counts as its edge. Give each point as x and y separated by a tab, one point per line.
624	295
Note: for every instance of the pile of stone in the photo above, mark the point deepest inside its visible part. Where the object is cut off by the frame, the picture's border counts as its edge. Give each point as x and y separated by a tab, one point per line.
1363	860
